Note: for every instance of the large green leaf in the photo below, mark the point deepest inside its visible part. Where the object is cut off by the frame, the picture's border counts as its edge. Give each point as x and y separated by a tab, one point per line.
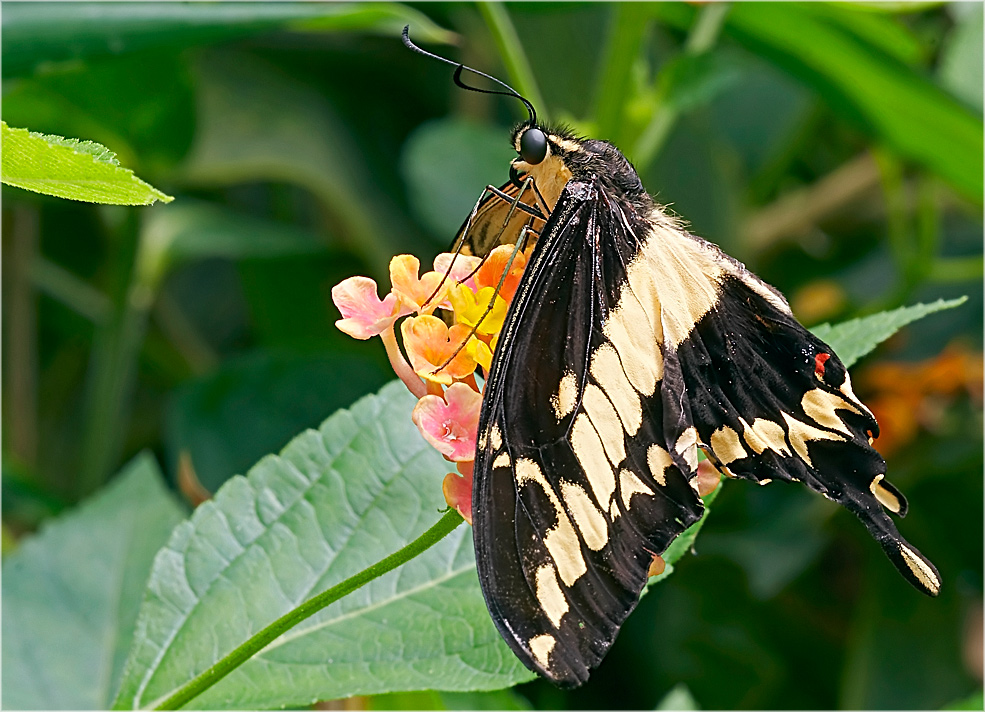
71	594
853	339
335	501
73	169
895	103
39	32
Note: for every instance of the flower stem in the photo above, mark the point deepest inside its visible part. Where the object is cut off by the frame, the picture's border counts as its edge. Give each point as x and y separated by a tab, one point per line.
255	644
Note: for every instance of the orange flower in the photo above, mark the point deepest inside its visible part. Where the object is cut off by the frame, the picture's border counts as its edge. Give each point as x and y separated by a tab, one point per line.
424	294
492	270
436	352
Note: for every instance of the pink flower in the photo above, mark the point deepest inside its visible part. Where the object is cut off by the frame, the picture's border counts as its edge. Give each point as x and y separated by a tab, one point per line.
450	424
364	314
458	267
458	490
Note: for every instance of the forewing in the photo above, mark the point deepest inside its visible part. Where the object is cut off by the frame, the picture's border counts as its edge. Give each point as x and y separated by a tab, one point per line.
576	487
768	400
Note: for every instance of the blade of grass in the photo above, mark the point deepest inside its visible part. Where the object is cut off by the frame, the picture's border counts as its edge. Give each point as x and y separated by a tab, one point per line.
628	26
702	37
511	50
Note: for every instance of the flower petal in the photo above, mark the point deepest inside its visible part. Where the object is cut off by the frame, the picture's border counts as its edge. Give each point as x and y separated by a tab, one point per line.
458	492
364	314
458	267
424	294
435	350
451	423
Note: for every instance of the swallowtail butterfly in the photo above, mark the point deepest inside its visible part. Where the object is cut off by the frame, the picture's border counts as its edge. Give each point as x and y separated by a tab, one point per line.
630	344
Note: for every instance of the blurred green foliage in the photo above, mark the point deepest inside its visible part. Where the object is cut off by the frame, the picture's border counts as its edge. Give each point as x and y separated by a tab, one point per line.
836	148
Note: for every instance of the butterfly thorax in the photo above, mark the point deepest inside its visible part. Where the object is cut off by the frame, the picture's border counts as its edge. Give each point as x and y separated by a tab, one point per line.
571	157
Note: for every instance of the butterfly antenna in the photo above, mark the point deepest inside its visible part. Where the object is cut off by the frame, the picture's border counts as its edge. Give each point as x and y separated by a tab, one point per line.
459	68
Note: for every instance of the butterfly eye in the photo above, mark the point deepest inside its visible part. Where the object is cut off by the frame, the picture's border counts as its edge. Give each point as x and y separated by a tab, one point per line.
533	146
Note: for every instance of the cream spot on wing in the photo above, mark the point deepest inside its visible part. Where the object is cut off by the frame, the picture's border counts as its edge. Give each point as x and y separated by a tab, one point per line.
686	272
607	370
846	388
591	456
658	460
886	498
760	288
638	351
765	435
541	647
564	400
687	446
502	460
614	510
800	432
552	600
588	519
820	405
606	422
765	480
495	437
561	541
919	567
630	484
726	445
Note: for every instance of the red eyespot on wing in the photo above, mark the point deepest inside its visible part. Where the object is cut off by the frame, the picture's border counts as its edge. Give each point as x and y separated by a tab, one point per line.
819	364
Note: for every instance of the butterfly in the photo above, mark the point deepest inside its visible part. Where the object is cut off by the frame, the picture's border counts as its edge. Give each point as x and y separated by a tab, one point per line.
630	344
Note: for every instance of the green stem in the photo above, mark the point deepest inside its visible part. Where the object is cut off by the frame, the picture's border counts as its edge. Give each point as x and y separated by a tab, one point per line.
511	50
256	643
113	369
702	37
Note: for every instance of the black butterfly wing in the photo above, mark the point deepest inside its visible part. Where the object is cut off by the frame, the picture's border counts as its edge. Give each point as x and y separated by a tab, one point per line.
576	484
770	401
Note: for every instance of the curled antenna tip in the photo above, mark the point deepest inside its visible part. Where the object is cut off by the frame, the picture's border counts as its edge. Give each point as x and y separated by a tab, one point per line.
459	68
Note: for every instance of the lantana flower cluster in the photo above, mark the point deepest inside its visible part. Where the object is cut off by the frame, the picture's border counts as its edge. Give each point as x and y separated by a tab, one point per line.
441	360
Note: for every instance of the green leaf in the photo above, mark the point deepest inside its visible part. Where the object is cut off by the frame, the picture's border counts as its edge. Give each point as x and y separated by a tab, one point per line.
895	103
71	593
678	698
443	188
683	543
692	80
255	403
37	32
335	501
73	169
198	230
853	339
972	702
961	63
